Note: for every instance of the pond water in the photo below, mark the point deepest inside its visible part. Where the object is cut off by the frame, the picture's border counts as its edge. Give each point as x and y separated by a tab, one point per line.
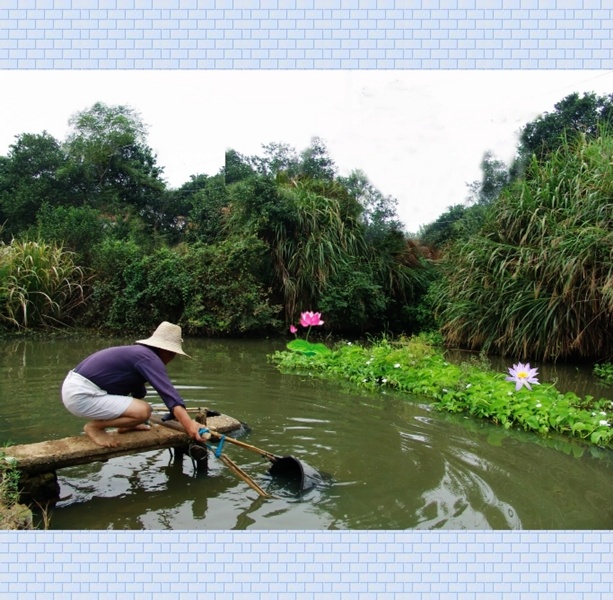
389	461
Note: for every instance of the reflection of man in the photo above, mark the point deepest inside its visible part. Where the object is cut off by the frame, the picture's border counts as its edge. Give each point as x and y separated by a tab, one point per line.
108	386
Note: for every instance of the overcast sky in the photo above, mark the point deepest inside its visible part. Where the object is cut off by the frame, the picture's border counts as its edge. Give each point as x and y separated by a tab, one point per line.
418	135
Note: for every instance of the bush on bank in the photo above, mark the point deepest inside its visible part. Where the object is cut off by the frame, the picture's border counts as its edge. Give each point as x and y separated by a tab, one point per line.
415	366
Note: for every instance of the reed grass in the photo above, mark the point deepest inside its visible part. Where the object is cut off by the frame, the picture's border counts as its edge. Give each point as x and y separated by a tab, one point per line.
537	281
40	285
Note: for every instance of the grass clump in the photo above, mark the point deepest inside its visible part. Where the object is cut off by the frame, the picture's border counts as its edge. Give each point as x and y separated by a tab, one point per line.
415	366
12	514
40	285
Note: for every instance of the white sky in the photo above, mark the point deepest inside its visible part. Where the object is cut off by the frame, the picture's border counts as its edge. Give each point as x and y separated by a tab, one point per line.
418	135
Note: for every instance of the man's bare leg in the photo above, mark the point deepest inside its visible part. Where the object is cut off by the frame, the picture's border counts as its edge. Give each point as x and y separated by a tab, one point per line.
133	419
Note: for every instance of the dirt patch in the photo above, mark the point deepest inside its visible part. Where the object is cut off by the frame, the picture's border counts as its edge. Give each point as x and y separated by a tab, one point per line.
16	517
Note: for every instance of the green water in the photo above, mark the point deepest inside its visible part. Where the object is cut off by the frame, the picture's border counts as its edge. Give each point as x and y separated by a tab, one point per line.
390	462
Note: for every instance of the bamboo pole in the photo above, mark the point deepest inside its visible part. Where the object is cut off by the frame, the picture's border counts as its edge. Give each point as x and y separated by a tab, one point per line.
223	458
176	425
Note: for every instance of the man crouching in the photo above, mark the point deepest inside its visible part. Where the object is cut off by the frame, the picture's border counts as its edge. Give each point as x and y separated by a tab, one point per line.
108	387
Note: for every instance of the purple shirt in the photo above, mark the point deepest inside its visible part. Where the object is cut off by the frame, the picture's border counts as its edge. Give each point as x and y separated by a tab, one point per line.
124	370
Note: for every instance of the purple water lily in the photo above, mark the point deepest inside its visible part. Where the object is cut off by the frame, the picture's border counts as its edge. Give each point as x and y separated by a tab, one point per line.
522	375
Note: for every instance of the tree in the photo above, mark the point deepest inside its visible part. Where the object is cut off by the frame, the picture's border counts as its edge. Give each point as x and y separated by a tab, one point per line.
378	211
277	158
442	231
573	116
112	166
237	167
207	211
316	162
30	175
495	177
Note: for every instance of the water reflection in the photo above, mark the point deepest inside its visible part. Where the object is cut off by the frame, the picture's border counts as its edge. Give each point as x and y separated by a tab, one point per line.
463	500
392	462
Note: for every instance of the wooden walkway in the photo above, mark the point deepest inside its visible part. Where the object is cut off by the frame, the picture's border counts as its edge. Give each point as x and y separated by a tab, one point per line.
50	455
39	462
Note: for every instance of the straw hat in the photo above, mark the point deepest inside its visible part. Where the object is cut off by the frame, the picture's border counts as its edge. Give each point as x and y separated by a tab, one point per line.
167	337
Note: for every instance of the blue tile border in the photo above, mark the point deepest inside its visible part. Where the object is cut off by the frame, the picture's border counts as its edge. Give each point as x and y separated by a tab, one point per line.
315	34
304	564
307	34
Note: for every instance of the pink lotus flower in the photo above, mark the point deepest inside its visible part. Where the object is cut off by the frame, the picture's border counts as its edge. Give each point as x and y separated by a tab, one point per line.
522	375
293	330
308	319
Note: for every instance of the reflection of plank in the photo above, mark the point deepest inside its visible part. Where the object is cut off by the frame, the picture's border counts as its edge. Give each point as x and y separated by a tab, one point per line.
44	457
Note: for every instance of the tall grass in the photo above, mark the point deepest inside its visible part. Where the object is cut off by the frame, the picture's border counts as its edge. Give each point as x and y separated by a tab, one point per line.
40	285
537	281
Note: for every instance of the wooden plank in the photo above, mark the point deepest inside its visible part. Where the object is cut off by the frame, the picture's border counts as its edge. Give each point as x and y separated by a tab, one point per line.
47	456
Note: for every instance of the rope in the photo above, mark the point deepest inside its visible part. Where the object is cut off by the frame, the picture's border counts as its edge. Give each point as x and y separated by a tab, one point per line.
219	448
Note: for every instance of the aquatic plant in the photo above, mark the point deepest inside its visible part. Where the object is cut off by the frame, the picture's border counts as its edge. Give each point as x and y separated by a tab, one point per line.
307	319
522	375
414	366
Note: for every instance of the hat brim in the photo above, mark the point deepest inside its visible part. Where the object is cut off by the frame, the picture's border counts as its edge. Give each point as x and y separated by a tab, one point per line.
162	345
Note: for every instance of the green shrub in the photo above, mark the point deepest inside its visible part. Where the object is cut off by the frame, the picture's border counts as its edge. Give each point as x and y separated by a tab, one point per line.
209	289
228	296
77	228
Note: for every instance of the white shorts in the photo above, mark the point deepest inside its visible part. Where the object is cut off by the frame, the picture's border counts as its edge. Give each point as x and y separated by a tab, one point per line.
85	399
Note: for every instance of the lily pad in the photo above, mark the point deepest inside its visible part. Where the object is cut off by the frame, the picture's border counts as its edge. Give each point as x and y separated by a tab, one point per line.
308	348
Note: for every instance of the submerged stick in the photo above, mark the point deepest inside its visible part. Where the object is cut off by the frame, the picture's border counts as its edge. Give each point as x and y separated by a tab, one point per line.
240	473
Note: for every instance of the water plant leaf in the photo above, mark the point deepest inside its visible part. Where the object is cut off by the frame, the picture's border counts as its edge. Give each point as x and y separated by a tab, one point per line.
308	348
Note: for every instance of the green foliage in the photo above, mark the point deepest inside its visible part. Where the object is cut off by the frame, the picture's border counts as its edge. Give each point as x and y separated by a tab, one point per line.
135	290
237	167
442	231
78	229
29	177
9	483
113	261
351	298
495	178
320	237
110	162
574	117
208	289
206	209
40	285
378	211
604	371
414	366
307	228
316	162
537	279
227	295
307	348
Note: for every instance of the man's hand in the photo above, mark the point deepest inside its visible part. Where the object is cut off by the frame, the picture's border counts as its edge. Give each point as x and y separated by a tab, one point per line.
191	427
